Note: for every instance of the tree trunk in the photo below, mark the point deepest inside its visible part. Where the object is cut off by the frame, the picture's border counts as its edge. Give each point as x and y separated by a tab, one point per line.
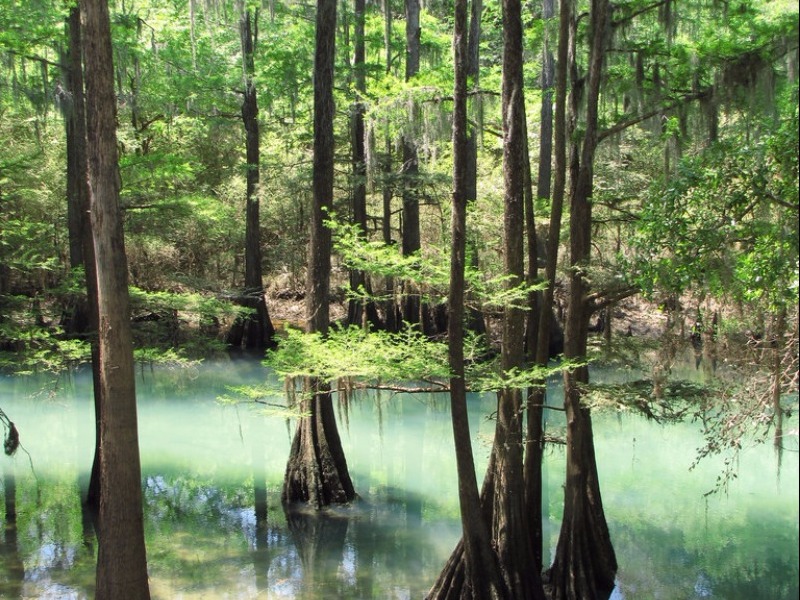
121	560
540	344
391	314
510	530
317	472
481	578
475	319
360	309
504	506
80	227
258	330
778	351
585	564
77	315
412	307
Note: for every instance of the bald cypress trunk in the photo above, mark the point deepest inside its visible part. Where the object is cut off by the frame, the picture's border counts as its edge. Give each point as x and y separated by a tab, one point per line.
316	473
585	563
510	528
121	560
553	134
503	503
256	332
80	227
361	309
77	315
480	577
413	310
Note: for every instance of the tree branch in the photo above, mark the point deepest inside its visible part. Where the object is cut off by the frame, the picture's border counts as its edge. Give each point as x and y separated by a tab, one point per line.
623	125
603	298
37	59
634	14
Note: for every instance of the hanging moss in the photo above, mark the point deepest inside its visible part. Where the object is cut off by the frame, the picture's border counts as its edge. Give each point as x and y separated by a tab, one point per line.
743	71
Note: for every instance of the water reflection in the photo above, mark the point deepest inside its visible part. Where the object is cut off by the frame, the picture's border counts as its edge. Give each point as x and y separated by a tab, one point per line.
215	527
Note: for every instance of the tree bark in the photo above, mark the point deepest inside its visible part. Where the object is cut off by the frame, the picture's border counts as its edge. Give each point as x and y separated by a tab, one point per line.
411	241
510	528
504	505
80	226
360	310
258	330
121	561
77	317
316	473
585	563
540	349
481	577
475	318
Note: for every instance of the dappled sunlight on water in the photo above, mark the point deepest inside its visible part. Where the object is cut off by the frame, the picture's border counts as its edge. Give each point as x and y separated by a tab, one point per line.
215	527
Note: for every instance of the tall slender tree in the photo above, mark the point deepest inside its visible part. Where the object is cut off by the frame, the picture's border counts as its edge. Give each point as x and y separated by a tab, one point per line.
475	319
481	577
585	563
503	496
411	240
121	560
256	330
317	472
552	134
76	321
510	518
360	308
80	226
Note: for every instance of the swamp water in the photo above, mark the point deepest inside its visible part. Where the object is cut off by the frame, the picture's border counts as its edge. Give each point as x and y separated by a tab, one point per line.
215	527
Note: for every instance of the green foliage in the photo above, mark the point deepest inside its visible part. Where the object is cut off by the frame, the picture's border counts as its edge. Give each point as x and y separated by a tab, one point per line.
430	273
266	397
727	225
401	361
671	402
40	349
355	353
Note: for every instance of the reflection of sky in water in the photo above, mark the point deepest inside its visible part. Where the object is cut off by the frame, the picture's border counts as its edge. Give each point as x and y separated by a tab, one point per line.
201	459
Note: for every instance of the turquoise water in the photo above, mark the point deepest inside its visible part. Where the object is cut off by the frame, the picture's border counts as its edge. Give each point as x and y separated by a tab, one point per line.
215	527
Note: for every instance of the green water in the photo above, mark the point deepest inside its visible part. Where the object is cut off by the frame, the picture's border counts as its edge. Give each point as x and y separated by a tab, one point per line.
206	467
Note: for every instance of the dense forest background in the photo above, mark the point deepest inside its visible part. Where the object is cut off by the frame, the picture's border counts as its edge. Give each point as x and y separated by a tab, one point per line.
695	176
509	178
